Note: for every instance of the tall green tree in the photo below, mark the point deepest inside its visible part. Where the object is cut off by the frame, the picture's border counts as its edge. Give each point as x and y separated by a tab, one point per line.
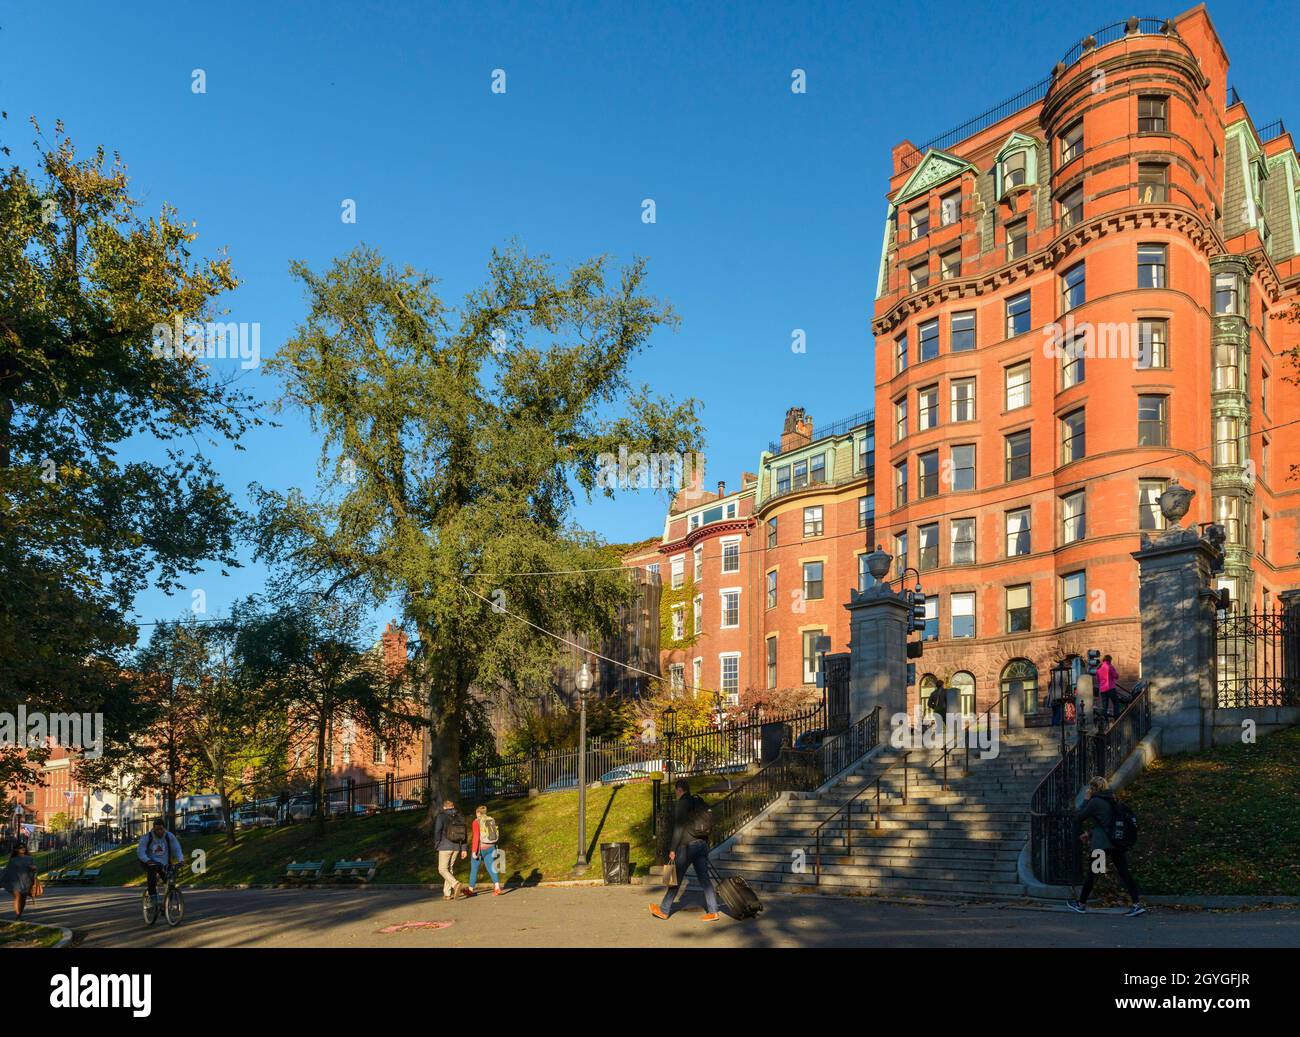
315	675
84	279
454	440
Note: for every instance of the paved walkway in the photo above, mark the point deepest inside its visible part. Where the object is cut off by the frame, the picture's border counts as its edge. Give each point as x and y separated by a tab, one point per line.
599	916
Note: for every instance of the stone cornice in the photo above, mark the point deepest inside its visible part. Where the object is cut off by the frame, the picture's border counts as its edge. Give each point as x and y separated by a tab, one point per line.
1181	220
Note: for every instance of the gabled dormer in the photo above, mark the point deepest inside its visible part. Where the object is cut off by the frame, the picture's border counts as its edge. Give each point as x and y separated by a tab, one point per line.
1016	165
937	167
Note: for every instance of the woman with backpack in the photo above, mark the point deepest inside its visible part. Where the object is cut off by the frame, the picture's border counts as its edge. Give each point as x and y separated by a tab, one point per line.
1113	830
483	851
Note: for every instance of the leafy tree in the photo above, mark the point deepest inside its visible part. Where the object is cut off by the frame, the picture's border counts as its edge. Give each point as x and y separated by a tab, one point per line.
84	279
315	674
452	440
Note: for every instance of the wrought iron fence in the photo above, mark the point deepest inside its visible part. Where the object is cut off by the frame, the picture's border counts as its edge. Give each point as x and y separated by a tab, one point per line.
1053	830
736	746
1258	655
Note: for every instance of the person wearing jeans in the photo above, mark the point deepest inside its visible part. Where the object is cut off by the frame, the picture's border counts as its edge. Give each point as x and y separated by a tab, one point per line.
483	852
1107	680
449	848
688	852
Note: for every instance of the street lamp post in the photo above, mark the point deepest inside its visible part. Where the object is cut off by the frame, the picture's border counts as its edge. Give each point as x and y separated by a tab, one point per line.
583	682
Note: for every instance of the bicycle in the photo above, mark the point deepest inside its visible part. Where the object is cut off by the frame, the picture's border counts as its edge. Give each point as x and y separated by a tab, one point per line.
174	903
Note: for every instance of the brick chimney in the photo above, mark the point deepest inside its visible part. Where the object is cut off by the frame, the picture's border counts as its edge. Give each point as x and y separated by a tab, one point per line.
722	488
394	641
798	429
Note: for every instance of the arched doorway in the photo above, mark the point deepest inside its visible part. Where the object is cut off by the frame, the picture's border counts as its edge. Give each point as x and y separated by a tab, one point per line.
928	683
1020	677
965	685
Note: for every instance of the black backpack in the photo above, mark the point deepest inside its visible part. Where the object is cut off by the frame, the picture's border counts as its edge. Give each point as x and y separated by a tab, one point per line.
1123	830
700	823
457	831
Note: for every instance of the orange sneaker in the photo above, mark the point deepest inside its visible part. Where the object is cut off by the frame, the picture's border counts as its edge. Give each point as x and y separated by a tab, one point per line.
654	910
710	917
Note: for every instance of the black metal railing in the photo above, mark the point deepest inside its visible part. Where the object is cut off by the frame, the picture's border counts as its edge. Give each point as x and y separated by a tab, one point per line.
1272	129
823	832
1258	655
1036	92
1053	830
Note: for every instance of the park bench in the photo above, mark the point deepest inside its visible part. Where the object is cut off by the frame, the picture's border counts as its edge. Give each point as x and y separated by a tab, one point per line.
354	871
53	875
304	871
66	875
88	876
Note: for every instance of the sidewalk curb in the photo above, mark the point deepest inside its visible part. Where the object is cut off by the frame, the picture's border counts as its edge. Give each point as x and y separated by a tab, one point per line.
636	880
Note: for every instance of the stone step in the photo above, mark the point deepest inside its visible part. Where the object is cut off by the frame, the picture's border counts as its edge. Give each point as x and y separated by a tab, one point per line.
891	860
838	877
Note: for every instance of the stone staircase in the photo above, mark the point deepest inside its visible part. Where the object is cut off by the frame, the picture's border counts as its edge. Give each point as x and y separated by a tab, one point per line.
962	843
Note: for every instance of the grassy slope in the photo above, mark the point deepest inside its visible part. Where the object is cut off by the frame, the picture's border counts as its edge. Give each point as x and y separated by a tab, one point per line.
1220	822
538	837
24	934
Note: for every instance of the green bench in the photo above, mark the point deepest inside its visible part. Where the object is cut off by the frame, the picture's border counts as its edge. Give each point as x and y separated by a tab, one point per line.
304	871
89	875
354	871
67	875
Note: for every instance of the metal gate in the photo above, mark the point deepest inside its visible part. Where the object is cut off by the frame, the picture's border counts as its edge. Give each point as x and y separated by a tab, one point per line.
1258	657
837	691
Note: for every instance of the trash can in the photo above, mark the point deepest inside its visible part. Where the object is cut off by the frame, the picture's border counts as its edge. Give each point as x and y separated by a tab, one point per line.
616	862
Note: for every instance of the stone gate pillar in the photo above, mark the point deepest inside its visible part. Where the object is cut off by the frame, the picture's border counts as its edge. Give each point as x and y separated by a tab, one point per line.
1176	608
878	626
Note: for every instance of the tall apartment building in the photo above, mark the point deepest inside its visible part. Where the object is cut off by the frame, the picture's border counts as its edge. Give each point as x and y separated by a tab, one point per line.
1077	304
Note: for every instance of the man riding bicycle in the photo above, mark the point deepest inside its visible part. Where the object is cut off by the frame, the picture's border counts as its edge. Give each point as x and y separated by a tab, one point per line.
158	848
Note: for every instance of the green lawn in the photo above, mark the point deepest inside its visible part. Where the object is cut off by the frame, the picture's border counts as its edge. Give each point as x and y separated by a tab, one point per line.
1220	822
25	934
538	836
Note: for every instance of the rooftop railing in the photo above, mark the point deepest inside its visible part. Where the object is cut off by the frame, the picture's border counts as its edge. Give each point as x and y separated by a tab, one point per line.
1033	94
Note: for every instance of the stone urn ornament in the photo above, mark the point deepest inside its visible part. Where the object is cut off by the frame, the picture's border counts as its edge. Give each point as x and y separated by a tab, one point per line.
1174	502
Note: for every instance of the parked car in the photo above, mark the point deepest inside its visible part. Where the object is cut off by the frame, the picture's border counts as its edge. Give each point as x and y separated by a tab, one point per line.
405	804
250	817
204	824
299	807
474	786
620	774
563	784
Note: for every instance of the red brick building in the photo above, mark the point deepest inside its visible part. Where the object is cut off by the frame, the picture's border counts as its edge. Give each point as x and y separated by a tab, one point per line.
1078	303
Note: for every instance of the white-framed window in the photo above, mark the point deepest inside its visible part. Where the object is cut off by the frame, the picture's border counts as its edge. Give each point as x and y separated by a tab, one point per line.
770	580
810	639
961	332
962	541
730	607
697	613
730	662
698	552
962	393
927	410
731	555
1018	532
814	582
962	612
1074	597
676	676
950	208
1072	142
679	622
1017	386
697	675
1149	514
771	661
1074	287
679	571
813	523
1074	523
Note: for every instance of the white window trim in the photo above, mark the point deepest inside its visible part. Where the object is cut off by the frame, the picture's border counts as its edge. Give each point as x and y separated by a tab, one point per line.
722	596
722	690
723	543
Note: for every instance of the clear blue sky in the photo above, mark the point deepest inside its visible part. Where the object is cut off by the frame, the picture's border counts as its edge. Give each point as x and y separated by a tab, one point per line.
769	204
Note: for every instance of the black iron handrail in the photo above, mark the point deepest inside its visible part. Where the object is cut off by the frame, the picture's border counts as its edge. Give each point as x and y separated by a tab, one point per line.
847	810
1109	34
1054	848
985	717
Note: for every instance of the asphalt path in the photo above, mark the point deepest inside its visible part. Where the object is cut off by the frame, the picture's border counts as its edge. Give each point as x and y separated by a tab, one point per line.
618	916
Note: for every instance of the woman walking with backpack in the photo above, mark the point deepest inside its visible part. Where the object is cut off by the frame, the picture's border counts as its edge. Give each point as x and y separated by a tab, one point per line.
484	849
1111	838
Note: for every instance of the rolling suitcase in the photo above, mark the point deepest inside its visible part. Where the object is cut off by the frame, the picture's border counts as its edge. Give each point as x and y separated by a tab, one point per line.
736	895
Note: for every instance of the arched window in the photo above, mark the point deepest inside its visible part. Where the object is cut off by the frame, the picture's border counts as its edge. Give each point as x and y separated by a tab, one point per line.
1020	677
928	683
965	685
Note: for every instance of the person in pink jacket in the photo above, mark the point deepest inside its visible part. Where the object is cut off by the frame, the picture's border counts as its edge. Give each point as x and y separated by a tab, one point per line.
1107	682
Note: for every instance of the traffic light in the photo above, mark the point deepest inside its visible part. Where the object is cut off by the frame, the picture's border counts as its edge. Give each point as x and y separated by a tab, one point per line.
911	674
914	649
1094	660
918	612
